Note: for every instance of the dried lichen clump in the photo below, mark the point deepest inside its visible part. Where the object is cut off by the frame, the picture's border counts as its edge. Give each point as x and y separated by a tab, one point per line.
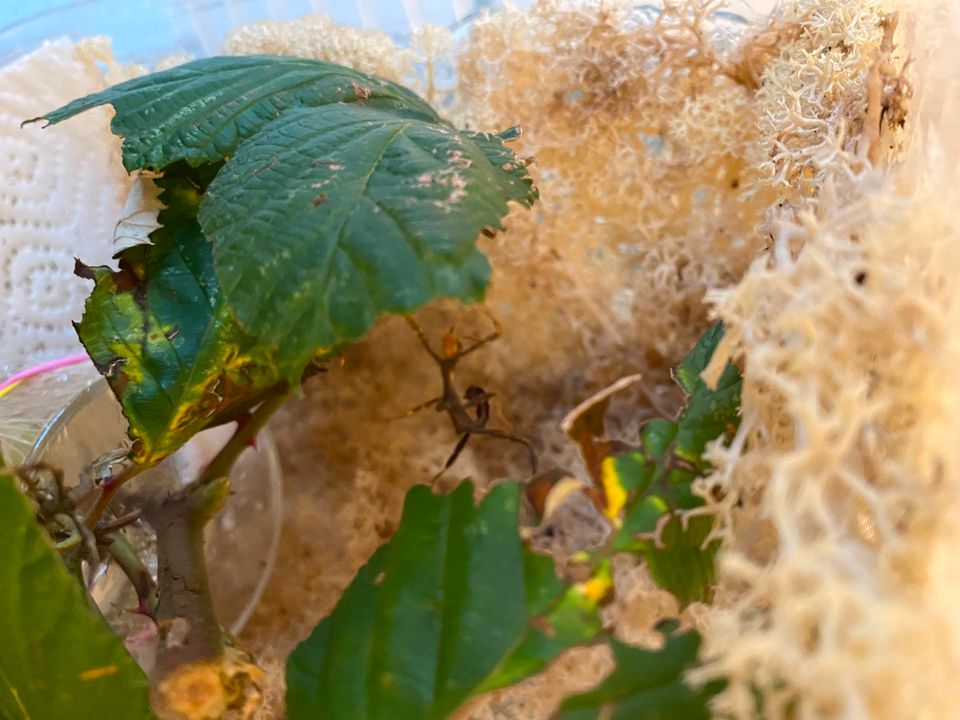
839	412
848	465
416	64
812	96
638	144
320	38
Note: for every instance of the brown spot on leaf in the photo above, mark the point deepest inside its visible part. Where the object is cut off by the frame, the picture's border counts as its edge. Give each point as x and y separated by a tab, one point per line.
99	672
319	200
361	92
543	625
125	280
121	382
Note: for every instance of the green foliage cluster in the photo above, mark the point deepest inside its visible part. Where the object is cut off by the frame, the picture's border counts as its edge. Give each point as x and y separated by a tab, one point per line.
440	613
301	201
658	477
454	605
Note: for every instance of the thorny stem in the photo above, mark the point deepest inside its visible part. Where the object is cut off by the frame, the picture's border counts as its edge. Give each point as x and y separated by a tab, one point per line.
249	425
185	615
184	588
180	601
127	559
242	438
108	490
118	523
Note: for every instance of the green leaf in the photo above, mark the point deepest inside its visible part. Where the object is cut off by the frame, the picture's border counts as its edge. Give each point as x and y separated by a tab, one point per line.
647	684
687	373
202	110
674	550
681	563
710	413
454	605
657	480
57	658
344	196
160	332
513	178
330	216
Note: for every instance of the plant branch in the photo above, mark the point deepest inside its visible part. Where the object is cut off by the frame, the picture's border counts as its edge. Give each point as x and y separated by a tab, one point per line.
194	651
122	553
193	646
108	491
184	588
118	523
243	437
249	425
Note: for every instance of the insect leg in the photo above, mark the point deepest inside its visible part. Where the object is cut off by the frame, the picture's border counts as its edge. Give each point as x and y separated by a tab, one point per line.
422	336
461	444
531	453
497	331
415	409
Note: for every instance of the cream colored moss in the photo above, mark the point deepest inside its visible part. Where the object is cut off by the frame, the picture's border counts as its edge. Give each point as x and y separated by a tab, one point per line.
850	462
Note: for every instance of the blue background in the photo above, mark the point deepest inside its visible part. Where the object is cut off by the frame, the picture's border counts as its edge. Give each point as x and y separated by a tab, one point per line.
146	30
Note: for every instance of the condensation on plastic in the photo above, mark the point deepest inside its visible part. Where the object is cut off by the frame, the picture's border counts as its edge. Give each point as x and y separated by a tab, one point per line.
34	403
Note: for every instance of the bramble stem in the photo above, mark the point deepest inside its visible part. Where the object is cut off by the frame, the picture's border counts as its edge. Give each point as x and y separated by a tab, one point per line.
108	490
191	636
184	588
242	438
118	523
220	466
122	553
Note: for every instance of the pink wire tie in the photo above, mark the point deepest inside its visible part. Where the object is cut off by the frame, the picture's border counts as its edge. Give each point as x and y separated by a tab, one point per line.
50	366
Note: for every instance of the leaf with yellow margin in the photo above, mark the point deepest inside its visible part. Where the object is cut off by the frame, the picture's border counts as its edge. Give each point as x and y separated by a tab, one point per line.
159	331
648	493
